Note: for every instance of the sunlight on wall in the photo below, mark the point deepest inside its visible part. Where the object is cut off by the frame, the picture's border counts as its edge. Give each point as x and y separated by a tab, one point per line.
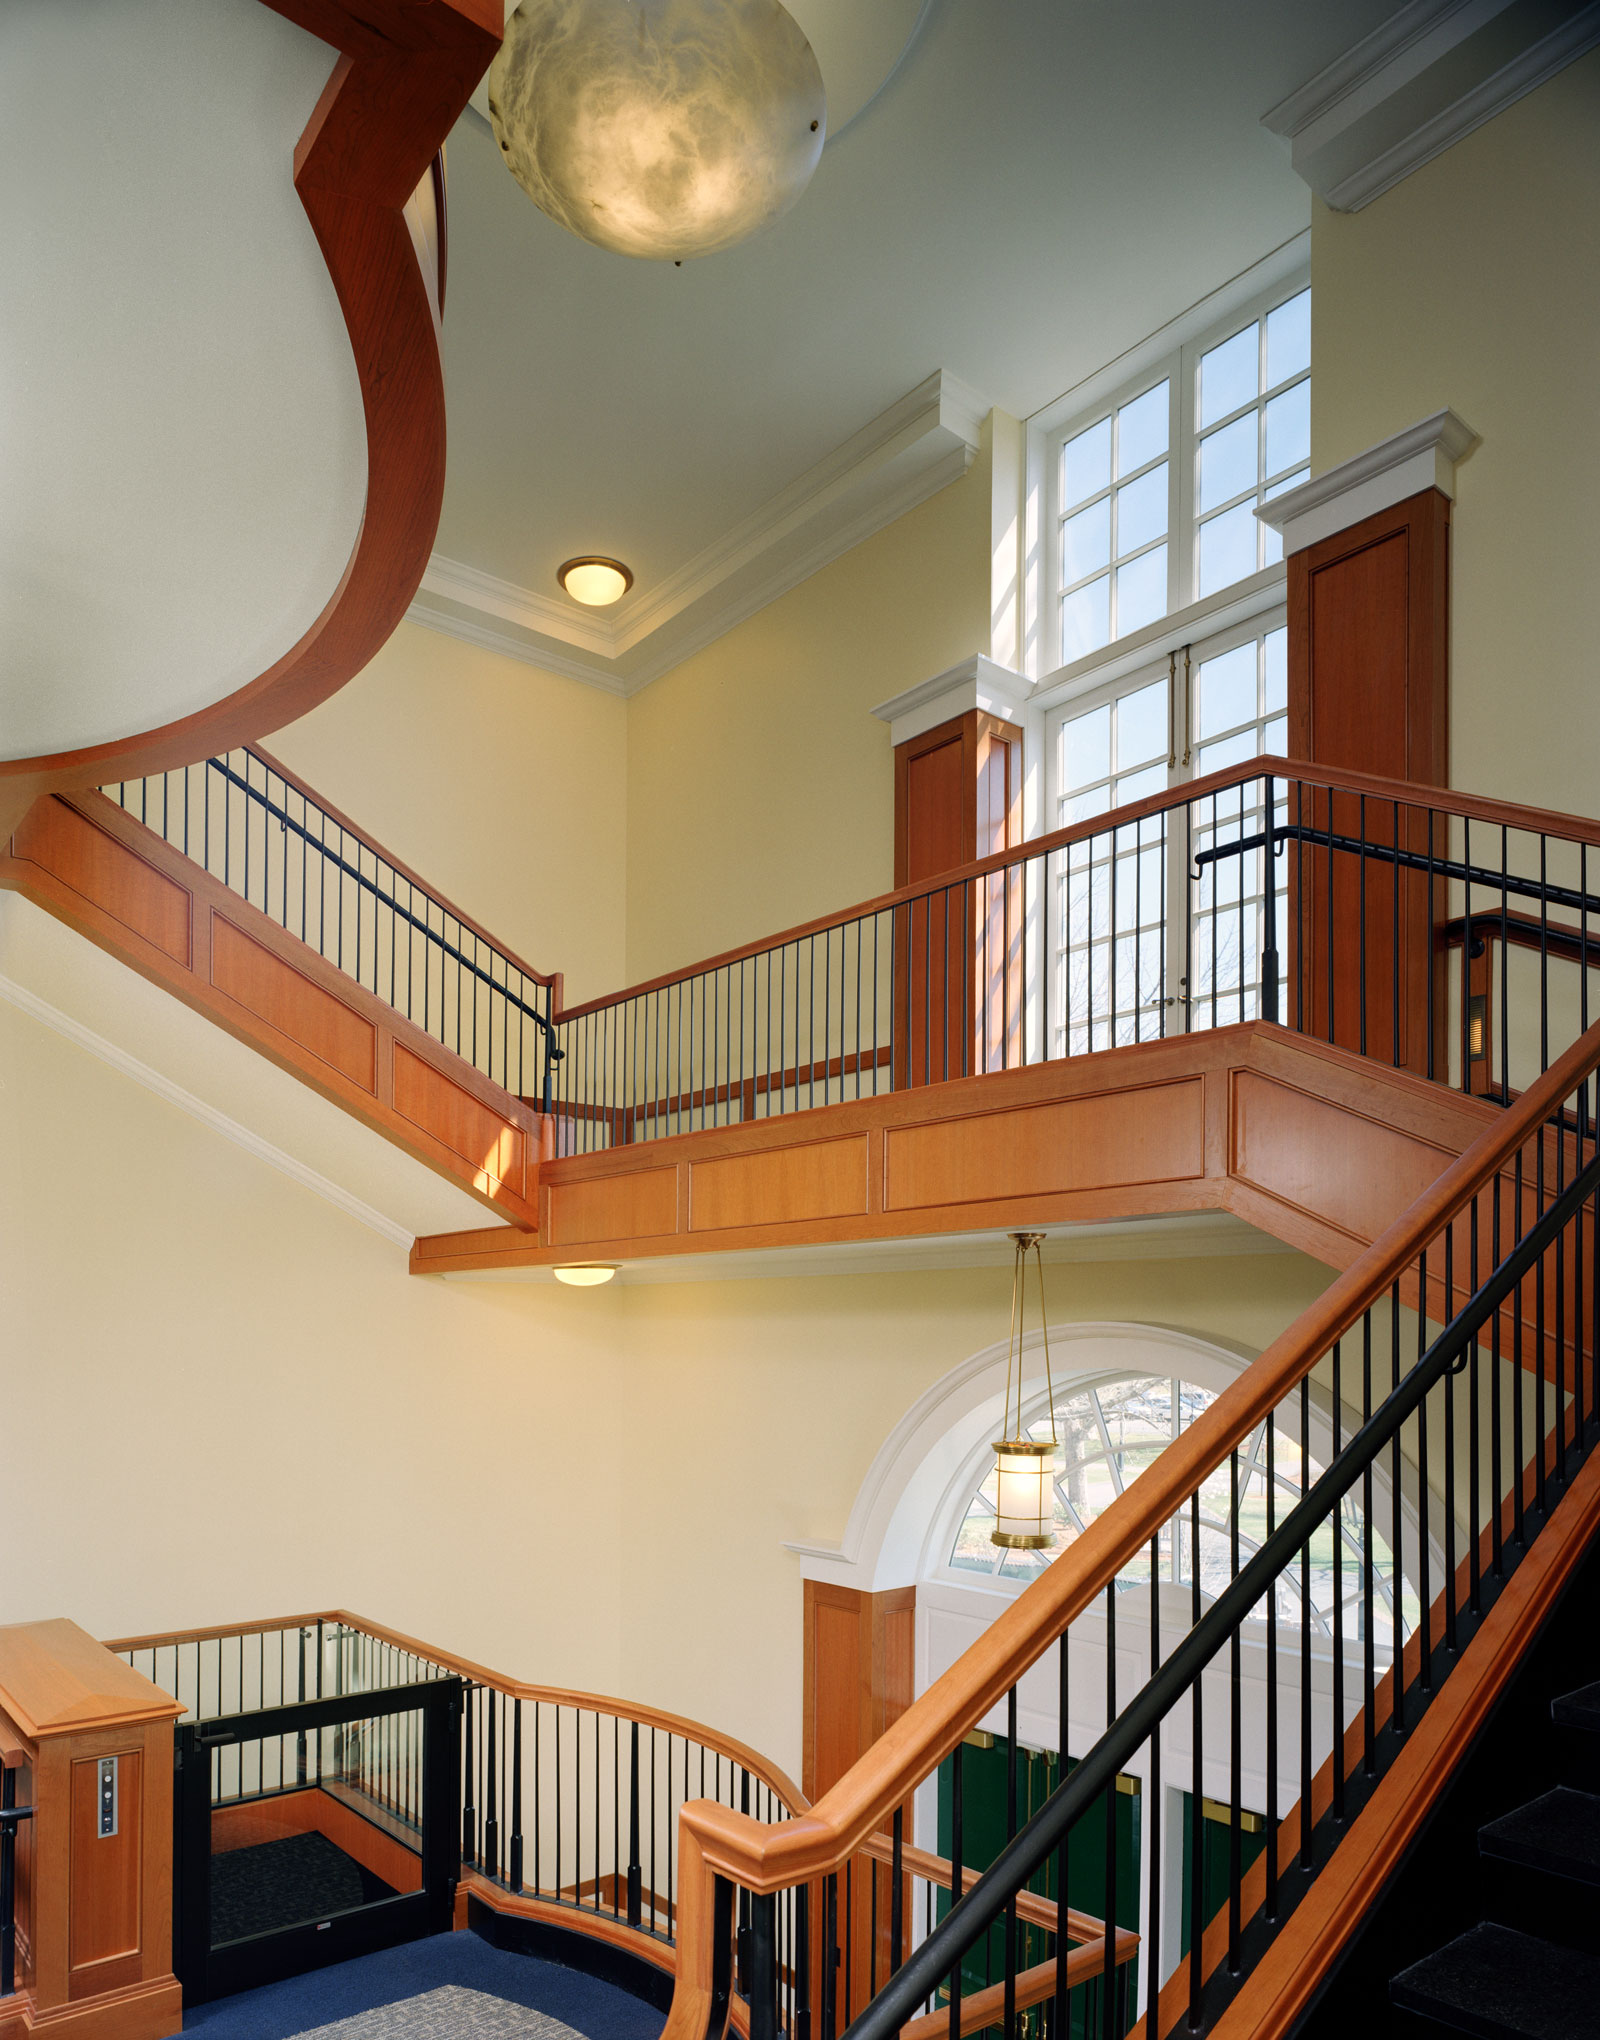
1474	284
760	790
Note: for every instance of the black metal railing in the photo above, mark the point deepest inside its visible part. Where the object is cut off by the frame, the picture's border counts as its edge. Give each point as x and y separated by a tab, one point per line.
575	1801
571	1800
11	1818
271	841
1262	892
1390	1493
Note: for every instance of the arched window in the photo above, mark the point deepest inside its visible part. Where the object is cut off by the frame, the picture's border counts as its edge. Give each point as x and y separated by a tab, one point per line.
1108	1433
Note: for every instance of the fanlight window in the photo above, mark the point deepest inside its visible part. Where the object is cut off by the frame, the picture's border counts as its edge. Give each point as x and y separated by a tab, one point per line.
1110	1433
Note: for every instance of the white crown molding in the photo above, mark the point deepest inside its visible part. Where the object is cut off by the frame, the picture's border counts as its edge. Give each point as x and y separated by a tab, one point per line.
1426	77
976	683
911	451
162	1087
1424	456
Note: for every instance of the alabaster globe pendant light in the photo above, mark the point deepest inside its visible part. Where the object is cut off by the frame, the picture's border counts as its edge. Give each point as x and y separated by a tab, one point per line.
658	128
1024	1504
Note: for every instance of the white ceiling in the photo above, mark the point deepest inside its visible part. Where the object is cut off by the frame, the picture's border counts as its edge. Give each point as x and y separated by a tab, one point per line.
181	435
1041	185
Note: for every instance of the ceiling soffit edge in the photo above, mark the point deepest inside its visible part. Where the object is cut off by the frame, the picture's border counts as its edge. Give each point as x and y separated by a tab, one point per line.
908	453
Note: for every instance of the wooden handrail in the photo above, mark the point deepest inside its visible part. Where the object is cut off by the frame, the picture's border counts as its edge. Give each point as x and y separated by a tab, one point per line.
717	1840
682	1725
1571	828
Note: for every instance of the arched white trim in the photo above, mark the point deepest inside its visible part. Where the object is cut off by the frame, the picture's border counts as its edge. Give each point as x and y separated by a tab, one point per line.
902	1503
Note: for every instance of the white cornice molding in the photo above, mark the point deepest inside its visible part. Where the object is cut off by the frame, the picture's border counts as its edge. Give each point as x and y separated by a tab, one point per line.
911	451
163	1087
1422	80
1424	456
976	683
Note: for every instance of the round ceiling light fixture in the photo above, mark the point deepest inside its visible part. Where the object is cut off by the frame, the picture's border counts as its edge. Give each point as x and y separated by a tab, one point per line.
658	128
594	580
586	1274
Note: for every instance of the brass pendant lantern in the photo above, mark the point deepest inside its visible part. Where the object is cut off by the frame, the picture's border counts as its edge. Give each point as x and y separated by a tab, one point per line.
1024	1505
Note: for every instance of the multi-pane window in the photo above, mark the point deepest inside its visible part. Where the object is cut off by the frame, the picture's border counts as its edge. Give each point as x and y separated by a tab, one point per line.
1127	967
1106	1436
1253	422
1153	492
1115	489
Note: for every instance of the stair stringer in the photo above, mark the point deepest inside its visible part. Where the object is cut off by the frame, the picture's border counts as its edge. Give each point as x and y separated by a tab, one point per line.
91	865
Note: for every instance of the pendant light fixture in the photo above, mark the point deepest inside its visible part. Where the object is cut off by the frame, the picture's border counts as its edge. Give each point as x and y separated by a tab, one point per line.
1024	1503
658	128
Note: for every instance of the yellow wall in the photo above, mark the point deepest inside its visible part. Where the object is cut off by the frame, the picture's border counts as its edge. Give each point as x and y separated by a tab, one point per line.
1475	283
232	1401
760	789
498	783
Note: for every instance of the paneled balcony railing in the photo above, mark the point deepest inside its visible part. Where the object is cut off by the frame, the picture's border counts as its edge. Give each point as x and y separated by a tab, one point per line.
1452	937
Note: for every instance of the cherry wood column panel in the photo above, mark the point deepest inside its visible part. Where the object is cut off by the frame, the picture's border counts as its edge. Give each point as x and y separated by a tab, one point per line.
94	1911
859	1673
1369	691
957	796
95	867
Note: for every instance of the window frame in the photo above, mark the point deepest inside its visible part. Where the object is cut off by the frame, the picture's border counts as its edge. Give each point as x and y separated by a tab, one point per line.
1172	354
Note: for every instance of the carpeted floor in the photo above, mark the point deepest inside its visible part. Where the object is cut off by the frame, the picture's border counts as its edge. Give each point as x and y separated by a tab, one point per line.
444	2014
282	1883
472	1984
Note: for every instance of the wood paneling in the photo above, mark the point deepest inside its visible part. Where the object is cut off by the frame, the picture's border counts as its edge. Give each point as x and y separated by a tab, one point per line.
858	1670
105	1872
94	1914
1052	1144
958	797
1323	1158
276	994
1148	1135
291	1003
481	1137
126	888
1369	688
643	1204
819	1179
405	70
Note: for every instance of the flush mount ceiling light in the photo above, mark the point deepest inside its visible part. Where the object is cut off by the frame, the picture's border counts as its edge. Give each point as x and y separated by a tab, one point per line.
594	580
586	1274
658	128
1024	1504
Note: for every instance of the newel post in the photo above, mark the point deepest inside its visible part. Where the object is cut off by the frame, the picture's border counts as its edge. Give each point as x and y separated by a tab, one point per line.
92	1744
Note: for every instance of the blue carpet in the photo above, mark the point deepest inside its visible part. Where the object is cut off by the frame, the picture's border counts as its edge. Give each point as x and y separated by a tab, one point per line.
590	2007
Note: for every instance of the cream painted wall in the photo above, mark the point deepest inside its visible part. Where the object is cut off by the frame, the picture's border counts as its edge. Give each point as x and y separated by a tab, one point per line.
226	1400
499	784
237	1403
760	789
1475	283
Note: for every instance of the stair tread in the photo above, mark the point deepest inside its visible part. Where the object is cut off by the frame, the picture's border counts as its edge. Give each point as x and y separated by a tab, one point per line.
1559	1831
1505	1985
1578	1710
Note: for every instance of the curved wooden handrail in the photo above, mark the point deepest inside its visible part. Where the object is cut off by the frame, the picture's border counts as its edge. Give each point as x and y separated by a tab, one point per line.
717	1840
1569	828
405	70
777	1781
